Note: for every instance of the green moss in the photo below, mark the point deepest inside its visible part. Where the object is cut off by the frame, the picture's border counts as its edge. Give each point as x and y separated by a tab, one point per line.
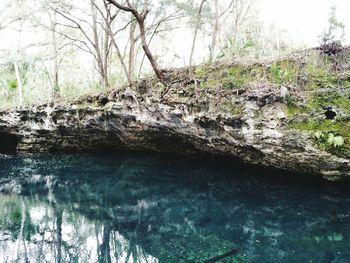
320	100
210	84
317	73
233	77
200	72
326	81
322	72
313	73
339	127
238	76
324	126
227	106
283	72
233	83
293	109
256	72
236	111
346	83
314	69
235	71
342	103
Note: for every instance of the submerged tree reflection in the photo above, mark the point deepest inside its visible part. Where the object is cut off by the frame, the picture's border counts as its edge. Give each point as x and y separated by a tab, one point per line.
42	233
91	209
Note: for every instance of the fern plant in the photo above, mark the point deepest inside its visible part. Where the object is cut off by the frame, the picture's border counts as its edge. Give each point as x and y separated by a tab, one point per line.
329	140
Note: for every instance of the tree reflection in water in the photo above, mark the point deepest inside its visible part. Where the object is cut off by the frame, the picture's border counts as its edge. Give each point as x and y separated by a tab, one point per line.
156	209
38	232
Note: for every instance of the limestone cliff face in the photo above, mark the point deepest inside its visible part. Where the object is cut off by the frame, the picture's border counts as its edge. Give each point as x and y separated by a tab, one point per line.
257	134
291	114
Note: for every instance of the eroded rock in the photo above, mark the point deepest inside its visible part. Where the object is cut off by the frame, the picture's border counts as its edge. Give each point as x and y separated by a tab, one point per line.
257	133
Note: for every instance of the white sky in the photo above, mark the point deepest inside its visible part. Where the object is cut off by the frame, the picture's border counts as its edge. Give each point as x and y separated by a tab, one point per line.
304	20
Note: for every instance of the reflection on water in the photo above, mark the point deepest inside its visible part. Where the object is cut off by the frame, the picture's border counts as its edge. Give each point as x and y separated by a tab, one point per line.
38	232
162	209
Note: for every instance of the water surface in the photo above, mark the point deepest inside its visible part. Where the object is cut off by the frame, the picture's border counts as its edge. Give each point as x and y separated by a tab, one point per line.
138	208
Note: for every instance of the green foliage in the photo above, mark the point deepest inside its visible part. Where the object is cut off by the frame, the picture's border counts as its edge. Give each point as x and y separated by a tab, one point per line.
233	83
319	76
328	135
323	99
246	48
319	135
329	139
335	141
228	77
200	72
282	73
210	84
233	78
316	71
13	84
335	30
9	84
190	9
326	81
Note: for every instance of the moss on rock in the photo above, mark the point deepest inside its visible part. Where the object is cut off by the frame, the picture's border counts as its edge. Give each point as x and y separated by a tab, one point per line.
311	118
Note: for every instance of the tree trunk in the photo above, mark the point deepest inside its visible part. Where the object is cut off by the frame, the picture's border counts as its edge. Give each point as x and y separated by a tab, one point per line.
132	50
106	48
109	21
198	23
121	60
19	85
96	45
56	88
58	214
215	31
140	18
105	249
148	52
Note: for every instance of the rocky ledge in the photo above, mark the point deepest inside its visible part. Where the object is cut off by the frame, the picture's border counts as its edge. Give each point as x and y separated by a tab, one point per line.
253	113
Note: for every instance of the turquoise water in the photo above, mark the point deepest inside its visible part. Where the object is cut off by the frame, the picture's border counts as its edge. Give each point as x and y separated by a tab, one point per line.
139	208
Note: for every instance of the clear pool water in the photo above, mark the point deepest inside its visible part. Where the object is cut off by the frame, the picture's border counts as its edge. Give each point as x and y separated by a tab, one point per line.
150	208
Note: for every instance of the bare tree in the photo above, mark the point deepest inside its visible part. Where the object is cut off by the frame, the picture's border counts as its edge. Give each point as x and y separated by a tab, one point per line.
215	30
219	14
19	84
7	20
140	18
240	15
196	29
55	69
109	20
163	22
45	17
90	34
101	51
132	49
